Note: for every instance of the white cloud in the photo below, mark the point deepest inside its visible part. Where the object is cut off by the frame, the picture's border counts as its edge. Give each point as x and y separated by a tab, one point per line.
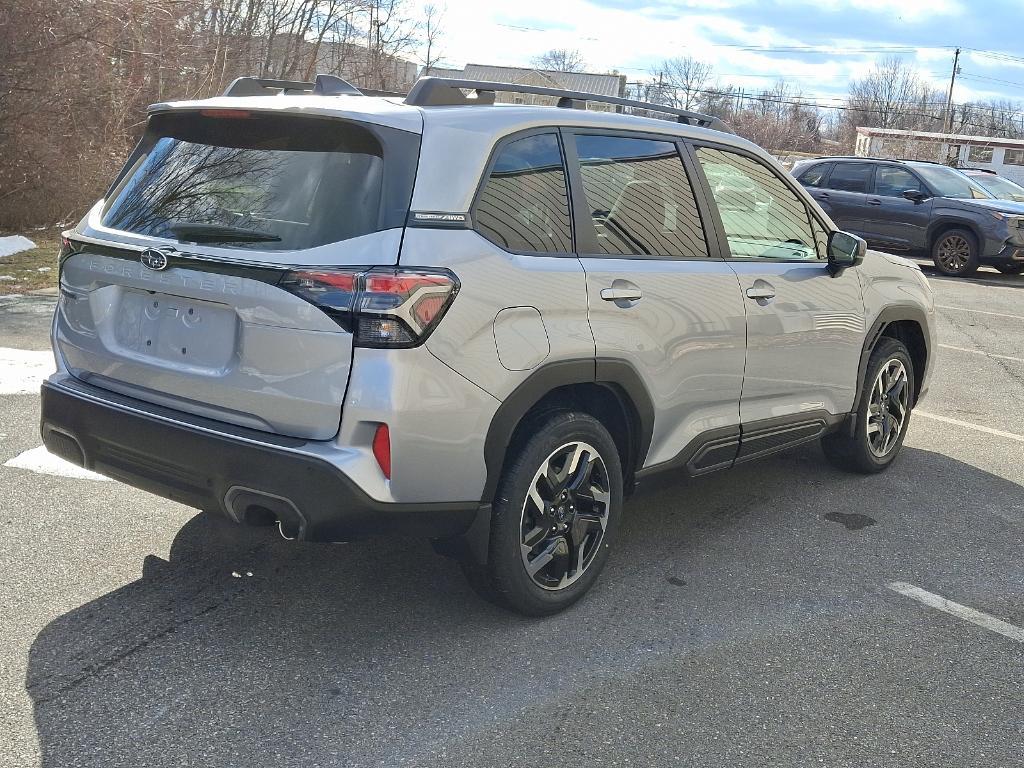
906	10
636	40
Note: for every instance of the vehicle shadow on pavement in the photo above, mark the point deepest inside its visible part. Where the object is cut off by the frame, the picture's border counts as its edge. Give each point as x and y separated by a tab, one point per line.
246	650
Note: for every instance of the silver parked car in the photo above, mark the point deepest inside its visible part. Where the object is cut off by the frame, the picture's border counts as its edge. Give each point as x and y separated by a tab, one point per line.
350	315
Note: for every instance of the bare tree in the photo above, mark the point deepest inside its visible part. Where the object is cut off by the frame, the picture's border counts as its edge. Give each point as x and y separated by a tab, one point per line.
685	78
432	32
88	68
887	96
560	60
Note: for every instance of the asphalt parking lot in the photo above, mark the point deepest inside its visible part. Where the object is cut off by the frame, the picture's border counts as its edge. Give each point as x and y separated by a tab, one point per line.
745	619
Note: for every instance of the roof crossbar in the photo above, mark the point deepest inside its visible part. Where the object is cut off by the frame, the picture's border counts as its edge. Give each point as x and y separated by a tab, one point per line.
324	85
442	91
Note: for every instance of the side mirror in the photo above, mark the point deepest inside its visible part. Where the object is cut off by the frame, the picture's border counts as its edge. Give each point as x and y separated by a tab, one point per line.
844	251
914	195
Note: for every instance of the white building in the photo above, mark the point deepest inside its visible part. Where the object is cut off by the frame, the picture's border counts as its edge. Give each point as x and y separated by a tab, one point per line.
1004	156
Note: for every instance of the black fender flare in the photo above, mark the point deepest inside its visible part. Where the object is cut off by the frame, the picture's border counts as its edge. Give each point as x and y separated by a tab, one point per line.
616	374
885	318
944	221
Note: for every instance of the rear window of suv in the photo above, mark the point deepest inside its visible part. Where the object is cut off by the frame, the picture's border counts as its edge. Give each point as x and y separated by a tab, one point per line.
267	181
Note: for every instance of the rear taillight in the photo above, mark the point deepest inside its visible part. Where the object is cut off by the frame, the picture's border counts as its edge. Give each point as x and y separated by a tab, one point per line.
66	248
381	307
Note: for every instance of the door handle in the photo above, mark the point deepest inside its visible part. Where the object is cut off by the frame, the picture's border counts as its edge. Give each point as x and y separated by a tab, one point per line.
622	294
874	202
822	195
761	291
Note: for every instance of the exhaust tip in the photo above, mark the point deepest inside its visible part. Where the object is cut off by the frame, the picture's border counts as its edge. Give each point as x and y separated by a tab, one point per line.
248	506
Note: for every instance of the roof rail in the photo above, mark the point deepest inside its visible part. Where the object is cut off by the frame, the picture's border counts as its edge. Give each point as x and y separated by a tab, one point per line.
442	91
324	85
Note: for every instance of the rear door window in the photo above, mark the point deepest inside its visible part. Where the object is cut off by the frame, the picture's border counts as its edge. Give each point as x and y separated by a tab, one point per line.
266	181
892	181
639	197
851	177
524	206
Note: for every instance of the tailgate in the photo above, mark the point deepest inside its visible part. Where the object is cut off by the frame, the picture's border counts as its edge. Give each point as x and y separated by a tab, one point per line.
226	346
170	288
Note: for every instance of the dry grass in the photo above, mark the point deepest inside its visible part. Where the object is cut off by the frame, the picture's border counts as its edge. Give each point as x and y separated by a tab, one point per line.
33	269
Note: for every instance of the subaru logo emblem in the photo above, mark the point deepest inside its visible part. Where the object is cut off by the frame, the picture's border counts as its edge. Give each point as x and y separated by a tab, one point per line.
154	259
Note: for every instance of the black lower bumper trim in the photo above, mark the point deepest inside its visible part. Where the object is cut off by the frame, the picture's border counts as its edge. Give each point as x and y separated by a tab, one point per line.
1010	254
200	468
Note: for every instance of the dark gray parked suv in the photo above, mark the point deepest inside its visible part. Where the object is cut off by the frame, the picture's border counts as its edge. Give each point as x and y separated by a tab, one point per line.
921	208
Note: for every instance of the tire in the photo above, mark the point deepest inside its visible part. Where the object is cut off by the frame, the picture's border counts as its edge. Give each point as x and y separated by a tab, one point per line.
1010	269
955	253
869	452
578	528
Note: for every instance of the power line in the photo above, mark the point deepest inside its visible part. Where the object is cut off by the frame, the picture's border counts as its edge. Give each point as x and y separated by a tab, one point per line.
991	80
768	98
998	55
834	49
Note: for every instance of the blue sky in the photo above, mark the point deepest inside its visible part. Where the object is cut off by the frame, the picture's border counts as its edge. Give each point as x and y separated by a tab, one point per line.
851	35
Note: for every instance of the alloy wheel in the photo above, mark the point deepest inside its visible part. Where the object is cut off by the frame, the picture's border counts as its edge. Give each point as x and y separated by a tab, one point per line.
954	253
565	515
888	407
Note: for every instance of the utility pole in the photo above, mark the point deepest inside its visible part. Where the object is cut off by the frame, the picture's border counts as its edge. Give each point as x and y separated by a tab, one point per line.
947	124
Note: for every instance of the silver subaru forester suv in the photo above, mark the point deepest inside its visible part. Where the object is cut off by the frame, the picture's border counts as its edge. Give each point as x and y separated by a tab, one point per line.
350	314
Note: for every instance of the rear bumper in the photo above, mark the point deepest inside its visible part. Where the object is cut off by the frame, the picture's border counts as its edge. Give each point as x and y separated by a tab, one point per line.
242	473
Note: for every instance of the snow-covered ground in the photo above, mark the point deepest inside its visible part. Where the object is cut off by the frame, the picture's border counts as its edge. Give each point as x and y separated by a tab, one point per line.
14	244
22	371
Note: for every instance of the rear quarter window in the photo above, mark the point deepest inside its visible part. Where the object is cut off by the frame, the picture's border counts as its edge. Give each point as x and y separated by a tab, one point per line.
815	175
523	205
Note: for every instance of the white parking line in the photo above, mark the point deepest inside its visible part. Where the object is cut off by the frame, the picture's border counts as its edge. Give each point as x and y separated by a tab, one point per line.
22	371
982	352
980	312
995	282
968	425
42	462
960	611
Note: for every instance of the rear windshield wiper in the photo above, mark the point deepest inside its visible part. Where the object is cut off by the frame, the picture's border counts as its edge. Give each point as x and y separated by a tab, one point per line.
220	233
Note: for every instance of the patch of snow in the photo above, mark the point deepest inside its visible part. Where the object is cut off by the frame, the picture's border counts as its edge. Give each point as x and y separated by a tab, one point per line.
41	461
8	277
23	371
15	244
44	269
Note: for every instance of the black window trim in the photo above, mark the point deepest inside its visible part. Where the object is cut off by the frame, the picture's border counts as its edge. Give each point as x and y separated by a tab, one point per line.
492	159
586	244
796	187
